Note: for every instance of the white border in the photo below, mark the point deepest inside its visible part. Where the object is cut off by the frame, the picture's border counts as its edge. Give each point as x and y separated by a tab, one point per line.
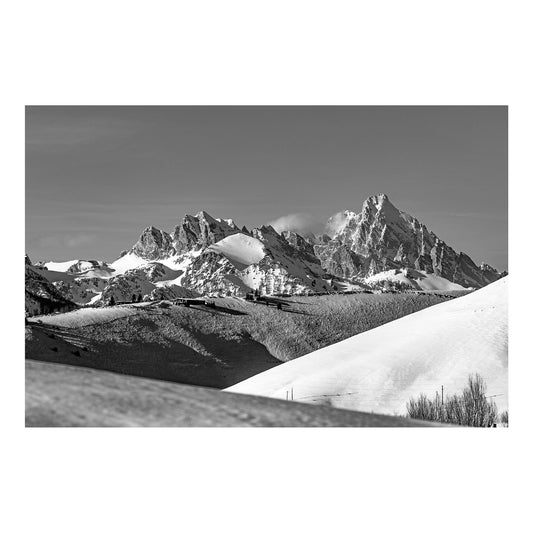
62	52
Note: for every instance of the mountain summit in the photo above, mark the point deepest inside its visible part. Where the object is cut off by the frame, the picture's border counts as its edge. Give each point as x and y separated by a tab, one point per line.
378	247
381	238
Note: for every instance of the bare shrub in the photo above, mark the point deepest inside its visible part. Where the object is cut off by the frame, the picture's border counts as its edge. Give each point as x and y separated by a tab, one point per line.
471	408
504	418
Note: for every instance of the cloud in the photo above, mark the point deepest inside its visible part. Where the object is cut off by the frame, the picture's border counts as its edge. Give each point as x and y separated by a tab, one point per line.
66	241
299	222
336	223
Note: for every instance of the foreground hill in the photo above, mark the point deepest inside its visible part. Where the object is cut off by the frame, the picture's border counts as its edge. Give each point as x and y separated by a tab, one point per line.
379	370
60	395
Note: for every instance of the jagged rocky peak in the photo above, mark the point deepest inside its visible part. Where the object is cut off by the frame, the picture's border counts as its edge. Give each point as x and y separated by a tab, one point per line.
201	230
380	206
264	232
153	244
377	200
297	241
382	237
229	221
487	268
27	260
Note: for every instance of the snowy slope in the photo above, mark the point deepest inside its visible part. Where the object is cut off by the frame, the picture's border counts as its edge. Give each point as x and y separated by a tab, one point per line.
60	266
414	279
127	262
87	316
132	261
78	266
379	370
241	248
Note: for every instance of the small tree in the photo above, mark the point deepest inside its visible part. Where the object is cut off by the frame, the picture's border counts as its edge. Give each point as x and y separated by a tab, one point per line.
112	300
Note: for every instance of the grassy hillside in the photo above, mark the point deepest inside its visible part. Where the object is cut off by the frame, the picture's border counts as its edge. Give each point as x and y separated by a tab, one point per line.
220	346
60	395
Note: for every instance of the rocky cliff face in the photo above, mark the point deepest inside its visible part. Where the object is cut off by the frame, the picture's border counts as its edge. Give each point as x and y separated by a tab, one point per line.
383	238
215	275
153	244
194	233
337	259
200	231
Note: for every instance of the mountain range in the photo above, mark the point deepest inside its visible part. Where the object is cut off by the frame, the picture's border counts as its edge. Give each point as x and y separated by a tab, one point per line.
380	248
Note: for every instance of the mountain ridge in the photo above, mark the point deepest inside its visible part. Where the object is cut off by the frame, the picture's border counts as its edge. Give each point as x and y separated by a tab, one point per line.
381	247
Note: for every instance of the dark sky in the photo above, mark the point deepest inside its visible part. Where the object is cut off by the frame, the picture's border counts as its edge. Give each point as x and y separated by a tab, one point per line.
97	176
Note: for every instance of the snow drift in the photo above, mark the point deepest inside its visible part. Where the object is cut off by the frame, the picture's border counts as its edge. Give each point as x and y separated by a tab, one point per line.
412	279
240	248
379	370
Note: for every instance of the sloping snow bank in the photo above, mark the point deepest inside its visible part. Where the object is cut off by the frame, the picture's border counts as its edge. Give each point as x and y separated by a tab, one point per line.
86	316
61	266
379	370
417	280
240	248
127	262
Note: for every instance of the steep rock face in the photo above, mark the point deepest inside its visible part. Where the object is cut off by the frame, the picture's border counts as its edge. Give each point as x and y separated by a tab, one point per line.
337	259
153	244
200	231
193	234
298	242
490	273
386	238
81	290
292	247
300	263
214	275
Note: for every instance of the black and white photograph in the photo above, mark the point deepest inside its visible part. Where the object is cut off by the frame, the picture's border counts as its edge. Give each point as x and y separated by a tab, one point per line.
266	266
276	266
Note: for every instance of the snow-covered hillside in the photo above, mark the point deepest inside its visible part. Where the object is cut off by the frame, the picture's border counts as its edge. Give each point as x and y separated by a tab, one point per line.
408	278
77	266
379	370
87	316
